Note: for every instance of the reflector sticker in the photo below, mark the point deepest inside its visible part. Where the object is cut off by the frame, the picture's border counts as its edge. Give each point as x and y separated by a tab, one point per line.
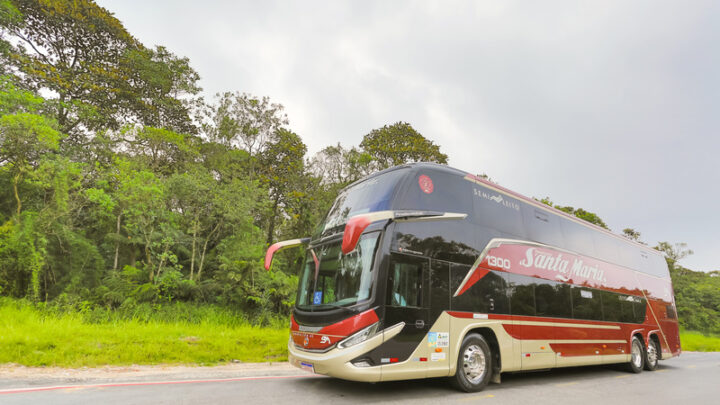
426	184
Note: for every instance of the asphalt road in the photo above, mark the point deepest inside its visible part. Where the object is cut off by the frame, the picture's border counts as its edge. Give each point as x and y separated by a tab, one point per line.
693	378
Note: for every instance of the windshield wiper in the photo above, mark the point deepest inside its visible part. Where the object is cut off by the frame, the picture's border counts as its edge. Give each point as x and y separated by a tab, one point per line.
314	308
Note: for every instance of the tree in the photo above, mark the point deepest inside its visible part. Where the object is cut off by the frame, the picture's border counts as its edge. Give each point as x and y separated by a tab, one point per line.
631	234
674	253
102	76
242	121
283	167
398	144
337	165
24	138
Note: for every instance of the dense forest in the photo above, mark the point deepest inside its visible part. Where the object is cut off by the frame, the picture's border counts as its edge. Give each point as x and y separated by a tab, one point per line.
123	185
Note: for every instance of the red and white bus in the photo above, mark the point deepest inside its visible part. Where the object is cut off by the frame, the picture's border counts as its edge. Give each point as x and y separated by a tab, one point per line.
424	271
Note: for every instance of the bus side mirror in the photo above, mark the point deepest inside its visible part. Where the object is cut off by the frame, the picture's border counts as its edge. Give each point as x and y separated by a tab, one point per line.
357	224
276	247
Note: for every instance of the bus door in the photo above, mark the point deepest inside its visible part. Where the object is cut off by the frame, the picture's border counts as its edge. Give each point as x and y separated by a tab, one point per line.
534	333
408	301
439	342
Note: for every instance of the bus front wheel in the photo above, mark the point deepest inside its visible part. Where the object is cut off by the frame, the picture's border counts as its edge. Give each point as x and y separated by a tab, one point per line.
474	365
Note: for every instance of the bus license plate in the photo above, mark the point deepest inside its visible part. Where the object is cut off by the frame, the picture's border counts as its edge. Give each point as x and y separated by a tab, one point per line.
307	367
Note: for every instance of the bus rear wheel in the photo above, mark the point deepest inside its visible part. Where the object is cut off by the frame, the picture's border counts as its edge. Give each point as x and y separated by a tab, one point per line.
651	355
474	365
637	356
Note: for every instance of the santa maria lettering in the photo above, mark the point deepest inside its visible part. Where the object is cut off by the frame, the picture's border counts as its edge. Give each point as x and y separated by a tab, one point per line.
565	267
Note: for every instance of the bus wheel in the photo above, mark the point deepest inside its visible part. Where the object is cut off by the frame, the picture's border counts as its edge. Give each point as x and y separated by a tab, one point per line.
637	358
474	366
651	355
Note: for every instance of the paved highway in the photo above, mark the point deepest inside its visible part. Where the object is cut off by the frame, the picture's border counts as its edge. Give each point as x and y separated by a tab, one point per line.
693	378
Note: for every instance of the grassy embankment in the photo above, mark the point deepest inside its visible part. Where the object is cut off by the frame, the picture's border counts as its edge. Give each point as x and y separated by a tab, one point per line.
697	342
35	337
169	335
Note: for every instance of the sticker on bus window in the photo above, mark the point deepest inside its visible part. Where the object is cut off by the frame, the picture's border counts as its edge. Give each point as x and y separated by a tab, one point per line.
586	294
317	298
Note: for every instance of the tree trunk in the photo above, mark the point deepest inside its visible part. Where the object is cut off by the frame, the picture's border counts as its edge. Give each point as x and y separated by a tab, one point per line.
16	180
204	249
117	242
194	242
271	227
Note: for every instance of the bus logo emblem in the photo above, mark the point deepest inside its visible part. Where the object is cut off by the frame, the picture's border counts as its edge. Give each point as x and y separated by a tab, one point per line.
307	341
426	184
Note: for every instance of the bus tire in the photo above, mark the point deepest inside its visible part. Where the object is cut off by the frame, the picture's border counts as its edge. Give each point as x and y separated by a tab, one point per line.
637	356
474	364
652	355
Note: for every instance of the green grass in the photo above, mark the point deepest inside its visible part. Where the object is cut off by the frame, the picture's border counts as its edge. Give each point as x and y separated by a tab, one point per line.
697	342
36	337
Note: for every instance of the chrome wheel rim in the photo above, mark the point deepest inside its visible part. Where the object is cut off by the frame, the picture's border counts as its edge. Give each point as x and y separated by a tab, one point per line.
636	354
652	355
474	364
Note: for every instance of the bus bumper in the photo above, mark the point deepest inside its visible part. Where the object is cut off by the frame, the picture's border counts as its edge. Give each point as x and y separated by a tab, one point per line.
336	362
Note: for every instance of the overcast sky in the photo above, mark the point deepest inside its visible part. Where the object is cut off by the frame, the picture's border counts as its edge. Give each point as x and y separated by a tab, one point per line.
609	106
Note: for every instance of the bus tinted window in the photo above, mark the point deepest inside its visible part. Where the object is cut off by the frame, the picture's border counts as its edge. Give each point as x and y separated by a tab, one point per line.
629	256
435	190
578	238
439	287
451	241
498	211
542	226
522	295
612	306
406	281
639	307
487	295
607	247
373	194
586	303
552	299
658	266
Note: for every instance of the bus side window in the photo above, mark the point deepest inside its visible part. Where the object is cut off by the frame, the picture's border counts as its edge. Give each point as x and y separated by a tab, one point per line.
522	295
552	299
406	283
612	305
587	304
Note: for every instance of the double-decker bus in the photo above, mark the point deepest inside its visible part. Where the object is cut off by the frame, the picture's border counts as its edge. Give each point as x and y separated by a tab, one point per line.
425	271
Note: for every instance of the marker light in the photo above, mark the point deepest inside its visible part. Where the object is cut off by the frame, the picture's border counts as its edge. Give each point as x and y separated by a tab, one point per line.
276	247
359	337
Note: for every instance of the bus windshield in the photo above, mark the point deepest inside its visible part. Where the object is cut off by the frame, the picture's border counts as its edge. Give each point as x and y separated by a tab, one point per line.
330	279
373	194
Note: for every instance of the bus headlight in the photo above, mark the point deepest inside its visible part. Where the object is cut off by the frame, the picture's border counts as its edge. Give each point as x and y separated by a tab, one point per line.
359	337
